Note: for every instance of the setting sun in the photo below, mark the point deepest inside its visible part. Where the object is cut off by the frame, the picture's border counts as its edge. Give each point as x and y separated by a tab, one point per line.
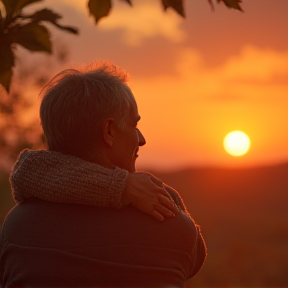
236	143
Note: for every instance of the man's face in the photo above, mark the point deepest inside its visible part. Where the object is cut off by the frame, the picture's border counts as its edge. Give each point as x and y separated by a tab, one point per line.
127	141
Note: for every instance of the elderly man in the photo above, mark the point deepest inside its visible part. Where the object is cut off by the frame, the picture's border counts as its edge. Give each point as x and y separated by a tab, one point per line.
90	123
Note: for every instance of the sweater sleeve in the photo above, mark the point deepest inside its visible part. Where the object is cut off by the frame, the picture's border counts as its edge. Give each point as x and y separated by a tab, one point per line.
55	177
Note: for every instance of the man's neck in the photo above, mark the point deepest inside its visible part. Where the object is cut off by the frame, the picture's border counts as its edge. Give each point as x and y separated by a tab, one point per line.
100	159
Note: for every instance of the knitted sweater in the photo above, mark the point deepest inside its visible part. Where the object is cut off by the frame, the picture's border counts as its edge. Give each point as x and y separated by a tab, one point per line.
55	177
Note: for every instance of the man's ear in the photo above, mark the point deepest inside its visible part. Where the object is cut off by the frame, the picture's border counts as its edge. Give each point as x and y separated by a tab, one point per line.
108	131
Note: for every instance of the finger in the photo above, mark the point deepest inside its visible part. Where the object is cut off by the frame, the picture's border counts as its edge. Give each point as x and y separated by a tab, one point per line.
168	203
157	215
164	211
156	181
166	194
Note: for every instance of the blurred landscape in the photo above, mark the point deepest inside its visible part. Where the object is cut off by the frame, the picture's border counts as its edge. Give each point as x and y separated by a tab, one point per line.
244	219
243	216
228	71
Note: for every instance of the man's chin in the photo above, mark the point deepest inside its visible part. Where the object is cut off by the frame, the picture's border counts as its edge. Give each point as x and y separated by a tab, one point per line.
132	169
133	166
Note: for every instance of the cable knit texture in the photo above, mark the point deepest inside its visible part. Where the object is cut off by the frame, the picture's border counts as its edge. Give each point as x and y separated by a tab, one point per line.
55	177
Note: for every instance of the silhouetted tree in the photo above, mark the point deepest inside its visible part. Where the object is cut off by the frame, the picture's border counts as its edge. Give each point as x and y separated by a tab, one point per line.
18	28
16	131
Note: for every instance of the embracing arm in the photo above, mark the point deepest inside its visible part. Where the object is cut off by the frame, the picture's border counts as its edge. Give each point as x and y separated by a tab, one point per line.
55	177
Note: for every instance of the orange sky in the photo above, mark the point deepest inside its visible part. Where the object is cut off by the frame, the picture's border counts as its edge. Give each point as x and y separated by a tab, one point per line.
196	79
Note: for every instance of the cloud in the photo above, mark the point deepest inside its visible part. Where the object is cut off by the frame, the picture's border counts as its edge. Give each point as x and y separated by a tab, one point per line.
256	64
244	74
144	20
81	6
191	112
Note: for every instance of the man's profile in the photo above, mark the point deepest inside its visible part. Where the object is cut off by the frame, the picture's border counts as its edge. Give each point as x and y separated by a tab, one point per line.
51	238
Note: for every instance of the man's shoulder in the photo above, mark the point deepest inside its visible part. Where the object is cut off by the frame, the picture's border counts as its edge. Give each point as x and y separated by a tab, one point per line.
176	198
89	225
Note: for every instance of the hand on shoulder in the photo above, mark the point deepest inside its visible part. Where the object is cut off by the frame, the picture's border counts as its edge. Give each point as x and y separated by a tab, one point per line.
148	194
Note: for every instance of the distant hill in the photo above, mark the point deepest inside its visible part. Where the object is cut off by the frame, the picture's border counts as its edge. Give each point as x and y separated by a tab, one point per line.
243	214
260	188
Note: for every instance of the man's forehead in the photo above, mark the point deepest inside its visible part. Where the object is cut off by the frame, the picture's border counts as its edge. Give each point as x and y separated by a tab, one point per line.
134	110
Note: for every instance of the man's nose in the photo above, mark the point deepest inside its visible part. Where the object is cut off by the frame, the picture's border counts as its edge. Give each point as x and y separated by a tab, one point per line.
141	139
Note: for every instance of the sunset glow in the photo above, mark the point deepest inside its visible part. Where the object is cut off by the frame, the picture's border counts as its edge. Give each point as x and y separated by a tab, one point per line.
190	96
236	143
211	88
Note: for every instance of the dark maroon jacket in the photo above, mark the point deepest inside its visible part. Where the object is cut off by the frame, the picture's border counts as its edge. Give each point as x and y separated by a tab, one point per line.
46	244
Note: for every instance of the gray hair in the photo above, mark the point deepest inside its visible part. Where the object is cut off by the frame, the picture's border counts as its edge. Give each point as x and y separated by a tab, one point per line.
75	103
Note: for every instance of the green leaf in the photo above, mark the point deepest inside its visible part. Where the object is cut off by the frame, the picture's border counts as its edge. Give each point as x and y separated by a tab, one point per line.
7	63
12	6
52	17
32	36
45	15
177	5
232	4
99	8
